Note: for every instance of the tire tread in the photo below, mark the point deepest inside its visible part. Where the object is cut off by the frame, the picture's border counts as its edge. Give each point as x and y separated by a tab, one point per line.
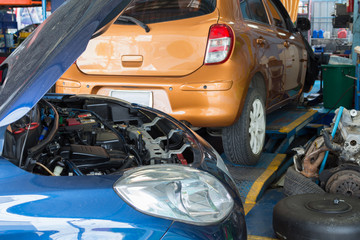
236	146
296	183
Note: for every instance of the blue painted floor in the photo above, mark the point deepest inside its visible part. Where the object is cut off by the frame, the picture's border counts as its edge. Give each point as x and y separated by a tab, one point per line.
259	216
245	176
259	219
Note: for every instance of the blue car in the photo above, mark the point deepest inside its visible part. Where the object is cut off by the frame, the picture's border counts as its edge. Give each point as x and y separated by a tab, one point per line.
94	167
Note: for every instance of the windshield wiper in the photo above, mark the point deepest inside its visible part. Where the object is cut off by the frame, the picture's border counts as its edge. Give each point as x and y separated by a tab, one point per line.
134	20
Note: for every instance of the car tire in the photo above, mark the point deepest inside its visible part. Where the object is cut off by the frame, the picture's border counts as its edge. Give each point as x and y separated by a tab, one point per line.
295	183
317	216
313	67
243	142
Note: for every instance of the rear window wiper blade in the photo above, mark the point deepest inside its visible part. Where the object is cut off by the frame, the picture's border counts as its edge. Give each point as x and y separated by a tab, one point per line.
134	20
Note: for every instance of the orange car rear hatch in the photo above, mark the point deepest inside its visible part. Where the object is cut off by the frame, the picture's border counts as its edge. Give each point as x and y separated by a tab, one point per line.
174	46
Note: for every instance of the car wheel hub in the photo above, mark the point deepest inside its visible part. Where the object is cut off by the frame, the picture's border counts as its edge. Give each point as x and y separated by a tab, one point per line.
257	126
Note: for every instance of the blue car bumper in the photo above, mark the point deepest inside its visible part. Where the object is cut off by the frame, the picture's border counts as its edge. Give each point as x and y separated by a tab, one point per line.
87	207
231	228
41	207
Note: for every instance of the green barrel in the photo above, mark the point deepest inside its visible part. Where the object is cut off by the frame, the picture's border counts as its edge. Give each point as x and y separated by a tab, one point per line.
337	85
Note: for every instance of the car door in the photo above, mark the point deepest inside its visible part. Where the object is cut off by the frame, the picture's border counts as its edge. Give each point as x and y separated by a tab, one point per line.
293	52
266	48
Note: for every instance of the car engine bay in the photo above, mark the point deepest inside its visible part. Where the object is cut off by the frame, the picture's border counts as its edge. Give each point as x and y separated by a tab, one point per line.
82	135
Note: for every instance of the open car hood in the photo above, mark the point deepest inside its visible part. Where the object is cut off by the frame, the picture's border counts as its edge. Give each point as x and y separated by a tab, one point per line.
34	67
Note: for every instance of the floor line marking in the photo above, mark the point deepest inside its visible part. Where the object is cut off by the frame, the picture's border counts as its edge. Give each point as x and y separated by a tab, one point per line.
257	186
298	121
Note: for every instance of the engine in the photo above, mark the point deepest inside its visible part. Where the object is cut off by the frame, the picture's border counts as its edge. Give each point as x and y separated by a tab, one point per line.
349	128
341	172
82	136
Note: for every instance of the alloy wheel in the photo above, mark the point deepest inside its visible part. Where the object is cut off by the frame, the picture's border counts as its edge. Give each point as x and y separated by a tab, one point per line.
257	127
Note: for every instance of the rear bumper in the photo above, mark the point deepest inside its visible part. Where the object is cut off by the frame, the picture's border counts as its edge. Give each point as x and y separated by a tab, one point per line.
212	96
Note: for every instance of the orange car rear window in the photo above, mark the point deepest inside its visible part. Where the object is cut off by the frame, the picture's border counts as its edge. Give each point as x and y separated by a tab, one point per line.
152	11
254	10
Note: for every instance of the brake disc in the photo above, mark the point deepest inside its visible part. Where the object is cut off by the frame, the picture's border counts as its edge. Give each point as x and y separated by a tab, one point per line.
346	182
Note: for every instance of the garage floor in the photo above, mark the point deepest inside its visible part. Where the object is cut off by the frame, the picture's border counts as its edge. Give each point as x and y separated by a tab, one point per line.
287	128
252	183
259	219
283	128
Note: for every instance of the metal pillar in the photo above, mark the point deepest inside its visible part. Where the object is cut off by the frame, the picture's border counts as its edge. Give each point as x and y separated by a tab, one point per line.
356	31
43	3
309	17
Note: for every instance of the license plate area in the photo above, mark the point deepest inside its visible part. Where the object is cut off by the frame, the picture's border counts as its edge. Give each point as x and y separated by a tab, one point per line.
139	97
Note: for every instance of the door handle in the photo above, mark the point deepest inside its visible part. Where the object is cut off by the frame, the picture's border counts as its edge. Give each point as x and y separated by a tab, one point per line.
260	41
286	44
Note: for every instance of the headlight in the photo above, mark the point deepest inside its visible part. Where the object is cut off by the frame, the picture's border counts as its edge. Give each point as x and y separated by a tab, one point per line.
175	192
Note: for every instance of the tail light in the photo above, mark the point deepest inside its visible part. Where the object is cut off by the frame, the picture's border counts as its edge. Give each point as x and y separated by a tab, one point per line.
220	42
3	71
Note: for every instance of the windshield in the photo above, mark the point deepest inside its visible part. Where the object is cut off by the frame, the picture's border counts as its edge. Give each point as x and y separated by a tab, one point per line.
154	11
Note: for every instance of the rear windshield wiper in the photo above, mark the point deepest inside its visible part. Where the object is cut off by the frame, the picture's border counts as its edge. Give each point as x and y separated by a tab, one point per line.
134	20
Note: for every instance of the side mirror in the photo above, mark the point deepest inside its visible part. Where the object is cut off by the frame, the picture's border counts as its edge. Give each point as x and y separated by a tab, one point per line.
303	24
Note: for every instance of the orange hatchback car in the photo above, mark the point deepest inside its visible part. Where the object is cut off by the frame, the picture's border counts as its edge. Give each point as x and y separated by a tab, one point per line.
209	63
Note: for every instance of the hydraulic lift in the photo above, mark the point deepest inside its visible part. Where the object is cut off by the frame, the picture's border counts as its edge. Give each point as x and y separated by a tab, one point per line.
283	127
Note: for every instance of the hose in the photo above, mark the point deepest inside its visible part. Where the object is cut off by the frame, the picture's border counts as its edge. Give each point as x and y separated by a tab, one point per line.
338	118
38	148
125	166
54	160
48	170
137	156
329	144
73	167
